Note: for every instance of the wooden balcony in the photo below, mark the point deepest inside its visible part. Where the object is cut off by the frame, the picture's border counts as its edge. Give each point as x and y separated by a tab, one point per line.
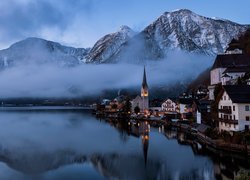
230	121
225	111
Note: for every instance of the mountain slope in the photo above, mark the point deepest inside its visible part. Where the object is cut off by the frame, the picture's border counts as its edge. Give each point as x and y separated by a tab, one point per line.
180	30
40	51
109	45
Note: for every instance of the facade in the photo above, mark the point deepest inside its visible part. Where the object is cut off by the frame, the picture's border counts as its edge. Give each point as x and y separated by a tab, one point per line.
168	106
185	107
202	110
137	102
142	101
234	108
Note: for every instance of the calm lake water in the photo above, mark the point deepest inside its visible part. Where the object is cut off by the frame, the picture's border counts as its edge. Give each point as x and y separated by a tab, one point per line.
73	145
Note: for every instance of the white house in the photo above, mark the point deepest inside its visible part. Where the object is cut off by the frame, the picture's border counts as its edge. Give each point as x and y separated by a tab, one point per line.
234	108
168	106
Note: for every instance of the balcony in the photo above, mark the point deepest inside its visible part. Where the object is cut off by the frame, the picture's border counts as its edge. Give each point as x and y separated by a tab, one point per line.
230	121
225	111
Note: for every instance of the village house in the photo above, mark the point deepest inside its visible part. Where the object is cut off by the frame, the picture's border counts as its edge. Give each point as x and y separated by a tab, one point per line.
185	107
234	108
231	74
168	106
202	110
227	67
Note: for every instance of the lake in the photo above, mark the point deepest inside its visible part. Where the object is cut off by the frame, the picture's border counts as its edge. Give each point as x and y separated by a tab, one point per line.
77	145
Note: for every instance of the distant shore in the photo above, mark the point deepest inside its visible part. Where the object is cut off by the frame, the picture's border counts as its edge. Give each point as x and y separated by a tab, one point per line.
44	108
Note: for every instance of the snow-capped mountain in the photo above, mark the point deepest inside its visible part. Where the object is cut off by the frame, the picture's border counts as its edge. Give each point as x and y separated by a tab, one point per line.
185	30
179	30
109	45
40	51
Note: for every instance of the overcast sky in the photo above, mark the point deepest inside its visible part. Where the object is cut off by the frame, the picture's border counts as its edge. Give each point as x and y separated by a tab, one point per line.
81	23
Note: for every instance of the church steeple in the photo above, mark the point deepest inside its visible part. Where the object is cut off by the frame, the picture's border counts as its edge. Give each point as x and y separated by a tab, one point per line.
144	82
144	88
144	92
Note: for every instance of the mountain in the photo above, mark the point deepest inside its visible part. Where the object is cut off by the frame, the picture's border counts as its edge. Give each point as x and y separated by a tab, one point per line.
40	51
179	30
109	45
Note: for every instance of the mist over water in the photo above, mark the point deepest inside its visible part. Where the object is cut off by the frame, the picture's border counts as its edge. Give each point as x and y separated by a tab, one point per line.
50	80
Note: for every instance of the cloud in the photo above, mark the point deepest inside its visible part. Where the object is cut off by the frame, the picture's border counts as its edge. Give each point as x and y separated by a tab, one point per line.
24	18
49	80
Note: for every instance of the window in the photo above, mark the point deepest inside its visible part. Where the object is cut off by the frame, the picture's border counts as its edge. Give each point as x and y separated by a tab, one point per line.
225	97
233	108
234	117
246	108
247	118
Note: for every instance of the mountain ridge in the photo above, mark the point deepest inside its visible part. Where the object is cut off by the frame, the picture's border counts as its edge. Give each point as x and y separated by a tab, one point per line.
181	30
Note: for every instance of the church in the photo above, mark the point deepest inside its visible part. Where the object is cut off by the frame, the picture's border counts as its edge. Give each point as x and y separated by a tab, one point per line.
142	102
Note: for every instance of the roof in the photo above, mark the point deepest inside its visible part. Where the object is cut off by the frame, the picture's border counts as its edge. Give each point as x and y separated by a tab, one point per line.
238	93
186	101
144	82
237	69
231	60
202	128
225	75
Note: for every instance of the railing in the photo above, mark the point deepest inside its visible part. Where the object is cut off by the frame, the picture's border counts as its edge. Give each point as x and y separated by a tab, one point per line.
219	144
226	111
230	121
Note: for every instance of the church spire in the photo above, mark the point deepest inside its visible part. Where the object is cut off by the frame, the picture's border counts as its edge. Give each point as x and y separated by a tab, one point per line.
144	87
144	82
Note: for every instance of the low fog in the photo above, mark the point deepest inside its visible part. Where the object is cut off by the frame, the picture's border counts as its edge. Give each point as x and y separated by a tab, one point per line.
49	80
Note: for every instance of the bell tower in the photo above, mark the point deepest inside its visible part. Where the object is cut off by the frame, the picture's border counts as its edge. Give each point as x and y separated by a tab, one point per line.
144	92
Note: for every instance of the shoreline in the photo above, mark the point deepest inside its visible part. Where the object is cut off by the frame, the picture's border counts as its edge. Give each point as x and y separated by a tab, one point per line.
215	146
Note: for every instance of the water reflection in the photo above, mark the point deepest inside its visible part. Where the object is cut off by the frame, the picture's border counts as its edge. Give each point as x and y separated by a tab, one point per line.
53	145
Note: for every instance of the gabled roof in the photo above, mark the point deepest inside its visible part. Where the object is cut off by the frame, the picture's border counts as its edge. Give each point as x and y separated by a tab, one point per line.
225	75
231	60
238	93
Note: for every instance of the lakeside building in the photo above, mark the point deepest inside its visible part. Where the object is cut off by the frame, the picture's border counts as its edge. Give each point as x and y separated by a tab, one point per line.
142	101
169	106
227	68
185	107
202	110
234	108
